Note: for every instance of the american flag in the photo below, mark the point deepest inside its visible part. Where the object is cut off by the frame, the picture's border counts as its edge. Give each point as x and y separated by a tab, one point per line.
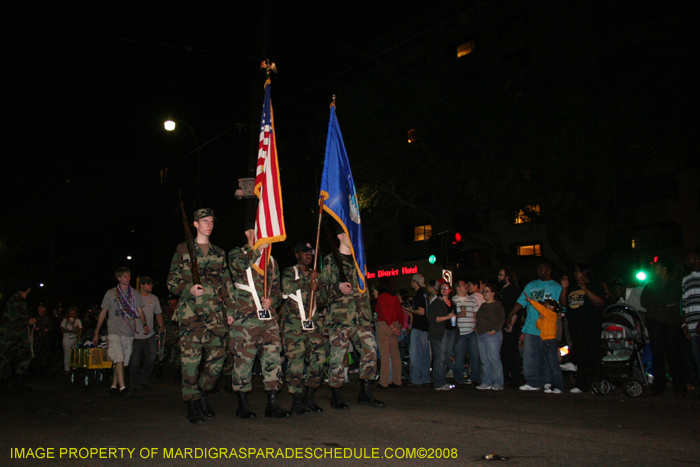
269	222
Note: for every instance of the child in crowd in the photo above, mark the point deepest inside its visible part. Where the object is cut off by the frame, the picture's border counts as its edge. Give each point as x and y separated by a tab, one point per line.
547	324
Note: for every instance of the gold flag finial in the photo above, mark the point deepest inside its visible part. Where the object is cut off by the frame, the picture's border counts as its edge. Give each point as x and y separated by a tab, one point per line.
268	66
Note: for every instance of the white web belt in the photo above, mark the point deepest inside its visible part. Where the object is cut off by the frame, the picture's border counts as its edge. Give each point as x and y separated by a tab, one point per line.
296	297
250	288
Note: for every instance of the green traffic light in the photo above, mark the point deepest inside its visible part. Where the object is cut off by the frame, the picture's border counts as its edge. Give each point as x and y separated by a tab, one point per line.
432	259
641	275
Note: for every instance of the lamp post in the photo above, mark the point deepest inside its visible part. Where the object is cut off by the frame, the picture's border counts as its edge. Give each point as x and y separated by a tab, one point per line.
170	125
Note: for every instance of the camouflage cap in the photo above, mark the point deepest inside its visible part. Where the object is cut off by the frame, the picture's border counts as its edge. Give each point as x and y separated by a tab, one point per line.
204	212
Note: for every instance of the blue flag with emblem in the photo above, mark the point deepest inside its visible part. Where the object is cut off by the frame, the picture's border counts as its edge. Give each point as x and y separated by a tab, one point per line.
339	196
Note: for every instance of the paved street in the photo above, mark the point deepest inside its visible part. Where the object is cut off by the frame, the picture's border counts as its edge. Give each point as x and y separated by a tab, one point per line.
526	428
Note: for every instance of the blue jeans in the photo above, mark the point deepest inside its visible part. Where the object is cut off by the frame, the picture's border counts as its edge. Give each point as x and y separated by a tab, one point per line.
420	357
695	352
143	357
460	351
533	362
467	343
490	354
552	370
440	360
474	357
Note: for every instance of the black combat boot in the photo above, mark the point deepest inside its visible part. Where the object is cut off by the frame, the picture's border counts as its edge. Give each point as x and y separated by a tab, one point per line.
365	397
243	410
298	405
194	413
337	400
207	411
273	408
309	400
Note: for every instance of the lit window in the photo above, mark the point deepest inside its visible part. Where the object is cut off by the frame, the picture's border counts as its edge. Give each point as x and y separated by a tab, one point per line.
422	232
465	49
525	215
633	245
530	250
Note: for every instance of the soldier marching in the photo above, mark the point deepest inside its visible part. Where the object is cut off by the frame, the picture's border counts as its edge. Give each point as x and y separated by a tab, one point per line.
201	313
254	326
303	330
15	334
348	318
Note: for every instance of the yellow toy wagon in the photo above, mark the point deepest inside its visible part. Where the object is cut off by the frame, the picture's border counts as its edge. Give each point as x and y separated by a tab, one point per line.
89	366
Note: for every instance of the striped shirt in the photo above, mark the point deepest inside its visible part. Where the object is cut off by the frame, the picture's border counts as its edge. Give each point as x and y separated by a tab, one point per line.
691	300
471	304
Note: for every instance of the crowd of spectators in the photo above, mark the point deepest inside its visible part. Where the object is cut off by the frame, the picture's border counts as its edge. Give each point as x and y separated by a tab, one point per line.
495	335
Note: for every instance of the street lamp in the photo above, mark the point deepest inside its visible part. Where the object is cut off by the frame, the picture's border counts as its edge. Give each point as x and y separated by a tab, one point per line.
170	125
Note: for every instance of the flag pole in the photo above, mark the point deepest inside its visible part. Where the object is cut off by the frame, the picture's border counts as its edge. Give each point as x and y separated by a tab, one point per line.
268	66
318	240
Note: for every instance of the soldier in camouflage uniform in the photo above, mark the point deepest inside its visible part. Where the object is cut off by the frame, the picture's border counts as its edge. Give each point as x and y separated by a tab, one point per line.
249	335
348	317
15	349
201	313
43	339
301	345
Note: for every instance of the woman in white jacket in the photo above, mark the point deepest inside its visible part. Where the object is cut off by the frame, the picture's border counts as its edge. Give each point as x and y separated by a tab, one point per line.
71	328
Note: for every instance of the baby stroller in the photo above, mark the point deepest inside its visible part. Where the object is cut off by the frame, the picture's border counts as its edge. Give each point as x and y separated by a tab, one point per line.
624	336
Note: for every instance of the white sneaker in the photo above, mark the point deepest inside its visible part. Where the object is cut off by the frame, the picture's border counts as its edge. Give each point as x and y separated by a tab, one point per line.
497	387
547	386
575	391
468	381
547	390
569	366
555	391
446	387
527	387
484	386
449	374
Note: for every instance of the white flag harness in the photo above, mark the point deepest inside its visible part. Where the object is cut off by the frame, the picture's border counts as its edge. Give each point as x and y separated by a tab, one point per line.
296	296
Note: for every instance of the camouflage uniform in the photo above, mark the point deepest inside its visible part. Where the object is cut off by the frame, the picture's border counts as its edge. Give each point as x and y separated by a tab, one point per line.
250	335
15	350
228	363
43	340
202	319
300	345
348	317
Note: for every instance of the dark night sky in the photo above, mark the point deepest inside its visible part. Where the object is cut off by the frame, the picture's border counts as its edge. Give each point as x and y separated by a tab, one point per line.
85	89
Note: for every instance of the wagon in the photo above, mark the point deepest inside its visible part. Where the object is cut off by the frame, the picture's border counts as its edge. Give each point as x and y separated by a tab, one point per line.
89	366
